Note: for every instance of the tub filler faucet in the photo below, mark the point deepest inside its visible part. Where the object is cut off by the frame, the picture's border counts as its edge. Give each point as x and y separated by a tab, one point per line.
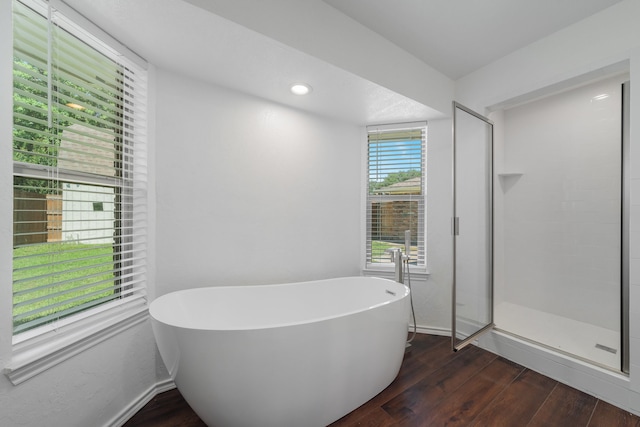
397	257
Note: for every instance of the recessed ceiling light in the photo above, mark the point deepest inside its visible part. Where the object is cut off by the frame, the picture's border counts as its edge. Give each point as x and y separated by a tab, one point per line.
300	89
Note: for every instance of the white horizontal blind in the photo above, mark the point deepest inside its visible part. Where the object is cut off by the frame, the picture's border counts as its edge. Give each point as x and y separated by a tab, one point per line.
396	192
79	151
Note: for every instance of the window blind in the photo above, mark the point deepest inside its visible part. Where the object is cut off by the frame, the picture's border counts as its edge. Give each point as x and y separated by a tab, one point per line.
395	192
79	153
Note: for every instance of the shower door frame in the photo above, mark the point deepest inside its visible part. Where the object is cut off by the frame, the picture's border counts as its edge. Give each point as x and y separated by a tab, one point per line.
624	250
455	343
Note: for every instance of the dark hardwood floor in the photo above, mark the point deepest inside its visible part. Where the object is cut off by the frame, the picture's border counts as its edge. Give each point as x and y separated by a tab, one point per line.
437	387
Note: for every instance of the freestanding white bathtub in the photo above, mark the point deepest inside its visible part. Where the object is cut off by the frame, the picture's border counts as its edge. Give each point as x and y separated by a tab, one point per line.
292	355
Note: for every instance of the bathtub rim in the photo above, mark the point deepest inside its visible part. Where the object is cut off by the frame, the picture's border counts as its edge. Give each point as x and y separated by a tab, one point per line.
398	298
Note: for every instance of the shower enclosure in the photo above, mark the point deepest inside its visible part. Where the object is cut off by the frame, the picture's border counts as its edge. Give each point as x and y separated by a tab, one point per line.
561	200
556	239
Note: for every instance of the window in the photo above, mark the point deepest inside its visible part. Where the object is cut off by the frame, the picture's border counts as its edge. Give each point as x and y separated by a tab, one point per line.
395	192
79	181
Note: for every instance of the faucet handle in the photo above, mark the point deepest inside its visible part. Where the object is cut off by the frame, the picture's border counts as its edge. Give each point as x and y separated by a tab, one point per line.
393	253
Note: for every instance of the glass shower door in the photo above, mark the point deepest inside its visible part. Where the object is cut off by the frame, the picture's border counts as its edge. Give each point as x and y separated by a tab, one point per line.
472	311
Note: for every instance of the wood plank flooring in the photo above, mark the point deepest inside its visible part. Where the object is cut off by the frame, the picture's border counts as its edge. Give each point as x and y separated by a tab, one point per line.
436	387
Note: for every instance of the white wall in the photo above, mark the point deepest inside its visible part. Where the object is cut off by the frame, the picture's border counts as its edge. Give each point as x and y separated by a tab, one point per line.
593	47
93	388
251	192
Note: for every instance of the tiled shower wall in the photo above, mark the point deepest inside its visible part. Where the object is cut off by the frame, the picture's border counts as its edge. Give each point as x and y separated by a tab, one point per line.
562	214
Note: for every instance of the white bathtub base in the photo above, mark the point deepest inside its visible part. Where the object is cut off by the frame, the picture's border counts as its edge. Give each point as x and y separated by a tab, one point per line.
314	386
298	375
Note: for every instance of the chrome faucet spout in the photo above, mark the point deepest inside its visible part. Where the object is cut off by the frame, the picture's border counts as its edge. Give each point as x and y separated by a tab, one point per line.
397	257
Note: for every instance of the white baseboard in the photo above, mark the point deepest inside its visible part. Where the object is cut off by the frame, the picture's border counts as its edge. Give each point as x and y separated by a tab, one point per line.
445	332
165	385
123	416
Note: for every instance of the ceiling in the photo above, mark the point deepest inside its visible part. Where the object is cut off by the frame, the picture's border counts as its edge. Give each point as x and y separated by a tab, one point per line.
455	37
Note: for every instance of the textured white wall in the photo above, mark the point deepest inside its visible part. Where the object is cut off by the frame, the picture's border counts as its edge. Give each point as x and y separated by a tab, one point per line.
90	389
251	192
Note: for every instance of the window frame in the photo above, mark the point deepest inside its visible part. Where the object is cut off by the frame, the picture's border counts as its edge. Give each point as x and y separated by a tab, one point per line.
387	269
38	349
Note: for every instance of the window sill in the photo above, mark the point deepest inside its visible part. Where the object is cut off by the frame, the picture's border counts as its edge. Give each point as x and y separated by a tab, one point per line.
34	354
389	273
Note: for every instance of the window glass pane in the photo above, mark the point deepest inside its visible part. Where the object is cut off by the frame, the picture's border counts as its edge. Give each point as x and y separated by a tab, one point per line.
67	112
55	280
63	249
395	167
389	221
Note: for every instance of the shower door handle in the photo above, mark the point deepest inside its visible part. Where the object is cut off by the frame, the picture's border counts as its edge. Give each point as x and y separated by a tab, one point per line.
455	226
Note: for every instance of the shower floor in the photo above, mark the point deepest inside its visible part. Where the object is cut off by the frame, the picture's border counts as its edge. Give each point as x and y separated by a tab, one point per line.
580	339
